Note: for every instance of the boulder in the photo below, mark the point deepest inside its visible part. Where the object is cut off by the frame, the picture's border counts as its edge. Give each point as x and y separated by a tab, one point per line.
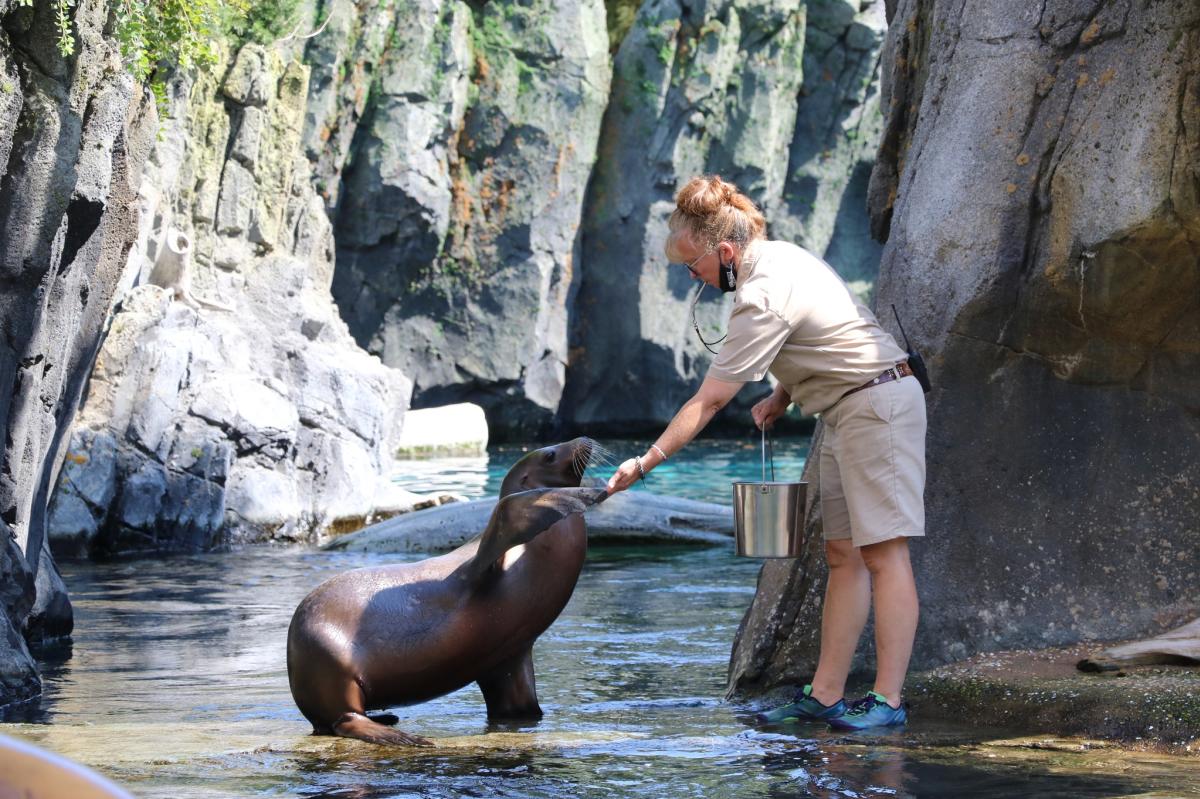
631	517
1038	188
74	133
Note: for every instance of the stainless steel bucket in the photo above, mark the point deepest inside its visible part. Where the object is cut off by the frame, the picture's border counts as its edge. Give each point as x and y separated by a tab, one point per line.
769	516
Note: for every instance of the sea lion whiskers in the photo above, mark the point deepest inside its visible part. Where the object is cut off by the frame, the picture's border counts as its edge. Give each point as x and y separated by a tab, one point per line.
600	456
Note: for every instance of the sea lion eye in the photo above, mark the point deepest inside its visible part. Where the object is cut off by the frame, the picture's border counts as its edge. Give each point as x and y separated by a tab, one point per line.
548	457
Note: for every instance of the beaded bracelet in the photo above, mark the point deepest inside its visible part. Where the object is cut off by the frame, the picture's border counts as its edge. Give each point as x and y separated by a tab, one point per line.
658	449
638	460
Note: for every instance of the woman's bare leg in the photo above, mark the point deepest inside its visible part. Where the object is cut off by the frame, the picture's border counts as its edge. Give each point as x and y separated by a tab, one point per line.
843	616
896	612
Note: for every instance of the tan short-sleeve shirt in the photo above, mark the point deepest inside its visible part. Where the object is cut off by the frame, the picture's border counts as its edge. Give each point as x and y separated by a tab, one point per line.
794	317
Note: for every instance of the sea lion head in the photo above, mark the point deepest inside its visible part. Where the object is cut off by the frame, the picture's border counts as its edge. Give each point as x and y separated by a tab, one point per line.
558	466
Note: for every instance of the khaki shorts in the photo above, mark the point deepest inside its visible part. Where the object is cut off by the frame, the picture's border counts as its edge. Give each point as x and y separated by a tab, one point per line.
873	464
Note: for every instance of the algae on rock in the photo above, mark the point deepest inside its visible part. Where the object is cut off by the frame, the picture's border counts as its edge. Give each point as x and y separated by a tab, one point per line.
204	425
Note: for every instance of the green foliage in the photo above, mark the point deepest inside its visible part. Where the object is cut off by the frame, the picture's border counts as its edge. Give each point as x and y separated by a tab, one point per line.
266	22
158	35
176	33
62	20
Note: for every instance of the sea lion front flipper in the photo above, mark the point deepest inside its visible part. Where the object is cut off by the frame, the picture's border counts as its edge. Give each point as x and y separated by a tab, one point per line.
356	725
510	689
519	518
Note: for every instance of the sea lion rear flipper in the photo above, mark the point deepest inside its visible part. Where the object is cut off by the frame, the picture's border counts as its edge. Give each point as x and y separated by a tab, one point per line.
356	725
510	689
519	518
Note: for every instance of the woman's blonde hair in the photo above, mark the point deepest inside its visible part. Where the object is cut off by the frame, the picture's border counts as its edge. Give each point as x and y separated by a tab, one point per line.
712	210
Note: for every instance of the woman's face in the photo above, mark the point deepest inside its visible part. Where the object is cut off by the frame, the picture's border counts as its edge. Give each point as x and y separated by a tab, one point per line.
703	264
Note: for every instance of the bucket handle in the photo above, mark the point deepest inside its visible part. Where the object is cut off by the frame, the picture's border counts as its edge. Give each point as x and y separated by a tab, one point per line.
767	447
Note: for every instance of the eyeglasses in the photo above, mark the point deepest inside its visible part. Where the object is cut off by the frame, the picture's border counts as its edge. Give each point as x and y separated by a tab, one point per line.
691	267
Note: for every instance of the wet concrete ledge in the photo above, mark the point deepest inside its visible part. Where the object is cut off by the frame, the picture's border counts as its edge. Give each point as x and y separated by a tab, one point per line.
1042	692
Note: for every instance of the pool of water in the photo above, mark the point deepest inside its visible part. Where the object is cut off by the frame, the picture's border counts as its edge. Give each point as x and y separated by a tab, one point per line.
703	470
175	686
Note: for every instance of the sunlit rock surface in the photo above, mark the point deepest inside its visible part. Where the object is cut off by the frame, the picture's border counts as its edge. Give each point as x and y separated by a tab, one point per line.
628	517
73	136
265	420
779	98
1038	187
473	130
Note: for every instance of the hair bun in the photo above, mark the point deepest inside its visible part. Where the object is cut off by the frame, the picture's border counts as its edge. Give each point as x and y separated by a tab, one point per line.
715	210
704	196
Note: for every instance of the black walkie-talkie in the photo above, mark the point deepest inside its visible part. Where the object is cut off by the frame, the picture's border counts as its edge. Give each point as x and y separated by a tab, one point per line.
915	361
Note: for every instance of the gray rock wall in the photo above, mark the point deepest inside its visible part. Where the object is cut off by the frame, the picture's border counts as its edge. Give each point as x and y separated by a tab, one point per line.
73	136
779	98
258	420
1039	188
456	215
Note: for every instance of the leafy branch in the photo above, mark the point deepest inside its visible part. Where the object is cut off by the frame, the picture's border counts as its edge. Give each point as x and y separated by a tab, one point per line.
157	36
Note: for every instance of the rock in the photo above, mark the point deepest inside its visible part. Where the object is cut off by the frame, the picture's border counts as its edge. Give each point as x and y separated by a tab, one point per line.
1041	245
74	133
204	426
1178	646
628	517
720	88
449	430
458	214
1045	695
51	616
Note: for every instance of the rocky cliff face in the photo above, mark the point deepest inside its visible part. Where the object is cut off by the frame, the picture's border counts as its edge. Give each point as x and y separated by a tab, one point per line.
73	136
456	217
1039	188
778	97
231	405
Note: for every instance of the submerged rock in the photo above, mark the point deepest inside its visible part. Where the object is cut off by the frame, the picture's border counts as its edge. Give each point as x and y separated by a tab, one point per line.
627	517
1038	188
229	401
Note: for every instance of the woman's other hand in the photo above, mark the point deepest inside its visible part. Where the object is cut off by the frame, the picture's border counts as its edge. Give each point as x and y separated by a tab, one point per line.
766	411
626	474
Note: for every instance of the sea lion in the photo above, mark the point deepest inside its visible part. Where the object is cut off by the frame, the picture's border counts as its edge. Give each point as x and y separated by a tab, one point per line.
398	635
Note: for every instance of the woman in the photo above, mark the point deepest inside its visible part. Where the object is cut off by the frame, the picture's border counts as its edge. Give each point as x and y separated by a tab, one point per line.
795	318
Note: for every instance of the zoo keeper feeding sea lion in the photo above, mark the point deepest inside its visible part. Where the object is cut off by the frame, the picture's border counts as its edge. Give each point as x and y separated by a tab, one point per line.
794	317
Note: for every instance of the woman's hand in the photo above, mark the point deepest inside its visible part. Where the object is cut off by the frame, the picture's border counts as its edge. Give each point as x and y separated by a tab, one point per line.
626	474
766	411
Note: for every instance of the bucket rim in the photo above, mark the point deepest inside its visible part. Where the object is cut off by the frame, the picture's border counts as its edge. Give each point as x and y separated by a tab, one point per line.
770	482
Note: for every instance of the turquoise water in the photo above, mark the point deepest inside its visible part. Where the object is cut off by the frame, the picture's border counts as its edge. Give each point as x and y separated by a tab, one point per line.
175	686
703	470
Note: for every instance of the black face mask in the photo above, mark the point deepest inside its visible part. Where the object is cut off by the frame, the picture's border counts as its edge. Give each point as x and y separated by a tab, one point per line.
727	276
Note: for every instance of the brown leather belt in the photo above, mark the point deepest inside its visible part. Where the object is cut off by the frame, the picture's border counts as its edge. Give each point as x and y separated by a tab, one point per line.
895	373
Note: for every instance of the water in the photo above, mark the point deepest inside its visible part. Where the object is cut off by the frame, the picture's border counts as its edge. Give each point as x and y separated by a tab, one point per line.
175	686
704	470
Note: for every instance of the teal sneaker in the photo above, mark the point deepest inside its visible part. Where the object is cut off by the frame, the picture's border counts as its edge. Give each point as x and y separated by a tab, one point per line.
803	708
870	711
